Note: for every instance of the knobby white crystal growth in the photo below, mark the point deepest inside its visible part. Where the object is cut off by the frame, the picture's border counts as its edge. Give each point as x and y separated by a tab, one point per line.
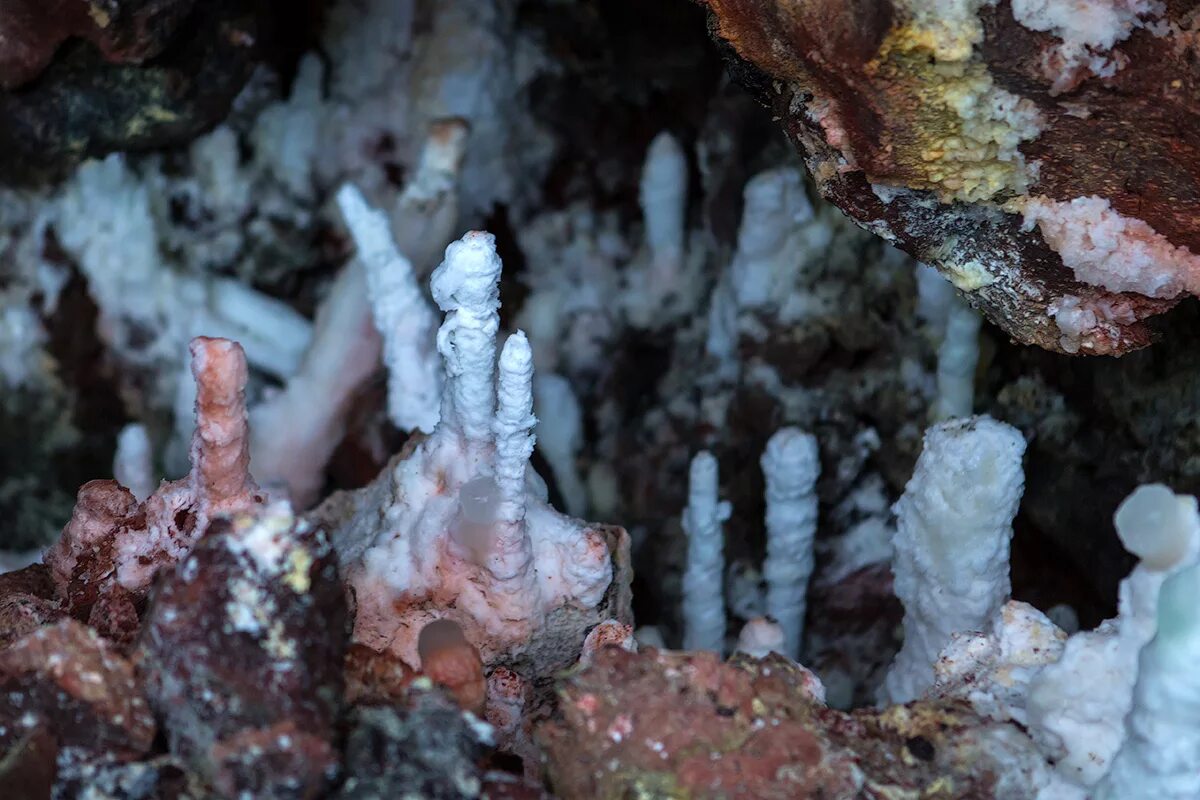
958	356
791	465
458	525
1160	759
1078	705
403	317
467	287
954	525
703	598
510	553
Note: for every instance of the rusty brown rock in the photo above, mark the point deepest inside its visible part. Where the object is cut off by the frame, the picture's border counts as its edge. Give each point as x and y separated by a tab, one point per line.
70	678
687	725
242	650
124	31
375	677
450	661
850	85
27	601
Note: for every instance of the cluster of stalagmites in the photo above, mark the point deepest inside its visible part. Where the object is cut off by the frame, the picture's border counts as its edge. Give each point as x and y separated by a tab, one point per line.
209	641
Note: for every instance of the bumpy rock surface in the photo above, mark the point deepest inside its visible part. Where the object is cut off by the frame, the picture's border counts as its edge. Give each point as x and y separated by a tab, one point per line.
66	677
426	748
242	651
660	724
932	127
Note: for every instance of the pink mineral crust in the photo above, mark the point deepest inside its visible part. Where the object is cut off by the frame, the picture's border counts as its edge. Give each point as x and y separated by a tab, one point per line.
114	542
609	633
423	564
71	678
688	725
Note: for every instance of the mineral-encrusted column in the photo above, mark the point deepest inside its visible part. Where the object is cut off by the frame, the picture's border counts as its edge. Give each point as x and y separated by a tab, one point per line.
511	550
467	287
221	444
790	465
954	524
703	598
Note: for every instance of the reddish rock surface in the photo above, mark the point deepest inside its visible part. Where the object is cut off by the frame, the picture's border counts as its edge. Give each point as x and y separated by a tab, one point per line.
862	106
242	651
31	31
67	677
662	724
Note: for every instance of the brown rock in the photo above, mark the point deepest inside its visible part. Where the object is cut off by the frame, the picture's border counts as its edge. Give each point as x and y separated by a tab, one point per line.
242	647
687	725
68	676
853	87
123	31
449	660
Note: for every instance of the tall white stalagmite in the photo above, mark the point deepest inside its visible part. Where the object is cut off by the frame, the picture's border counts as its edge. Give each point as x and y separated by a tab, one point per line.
402	316
510	552
954	525
791	465
703	598
663	196
1160	759
467	287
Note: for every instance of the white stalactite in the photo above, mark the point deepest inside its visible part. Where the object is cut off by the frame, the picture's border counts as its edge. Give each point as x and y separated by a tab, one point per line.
958	356
791	465
703	598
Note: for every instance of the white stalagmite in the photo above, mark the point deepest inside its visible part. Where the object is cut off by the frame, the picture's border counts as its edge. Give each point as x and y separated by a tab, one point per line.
776	205
402	315
703	599
791	465
294	432
514	425
663	195
1078	705
1160	759
954	525
760	637
660	280
560	433
958	356
467	287
133	463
